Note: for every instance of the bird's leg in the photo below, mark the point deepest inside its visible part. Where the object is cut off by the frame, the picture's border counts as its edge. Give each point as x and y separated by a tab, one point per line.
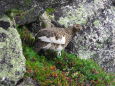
59	54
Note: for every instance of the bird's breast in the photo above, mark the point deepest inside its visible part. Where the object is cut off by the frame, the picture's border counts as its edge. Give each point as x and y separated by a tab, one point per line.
55	47
59	48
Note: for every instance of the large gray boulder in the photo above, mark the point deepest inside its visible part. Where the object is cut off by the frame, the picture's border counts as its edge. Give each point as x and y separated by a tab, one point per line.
12	60
97	41
30	9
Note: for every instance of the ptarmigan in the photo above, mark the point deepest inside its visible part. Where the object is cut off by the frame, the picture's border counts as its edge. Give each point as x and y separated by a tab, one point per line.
55	38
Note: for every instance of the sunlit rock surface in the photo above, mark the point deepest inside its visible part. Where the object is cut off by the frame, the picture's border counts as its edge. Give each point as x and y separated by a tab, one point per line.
12	61
97	41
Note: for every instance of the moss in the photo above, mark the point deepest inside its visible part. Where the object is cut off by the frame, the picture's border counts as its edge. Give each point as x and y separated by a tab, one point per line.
69	70
13	12
26	36
27	2
50	10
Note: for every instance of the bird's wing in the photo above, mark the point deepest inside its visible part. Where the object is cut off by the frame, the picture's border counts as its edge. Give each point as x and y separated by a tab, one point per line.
51	36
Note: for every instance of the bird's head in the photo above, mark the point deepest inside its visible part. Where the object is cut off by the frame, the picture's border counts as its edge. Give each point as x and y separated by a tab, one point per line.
77	27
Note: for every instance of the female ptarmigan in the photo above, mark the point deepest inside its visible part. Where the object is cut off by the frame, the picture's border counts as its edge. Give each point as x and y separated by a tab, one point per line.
55	38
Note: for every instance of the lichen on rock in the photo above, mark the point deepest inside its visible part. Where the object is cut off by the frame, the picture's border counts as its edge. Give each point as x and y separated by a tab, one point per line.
74	15
97	40
12	60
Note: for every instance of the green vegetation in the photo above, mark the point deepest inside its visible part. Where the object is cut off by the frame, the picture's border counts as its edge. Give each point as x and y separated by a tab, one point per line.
13	12
69	70
27	2
50	10
26	36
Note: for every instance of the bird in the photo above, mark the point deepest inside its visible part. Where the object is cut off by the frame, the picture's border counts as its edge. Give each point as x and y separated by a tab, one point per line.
55	38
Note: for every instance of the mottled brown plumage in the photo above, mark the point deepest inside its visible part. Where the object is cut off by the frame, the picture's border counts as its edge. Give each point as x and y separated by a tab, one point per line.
55	38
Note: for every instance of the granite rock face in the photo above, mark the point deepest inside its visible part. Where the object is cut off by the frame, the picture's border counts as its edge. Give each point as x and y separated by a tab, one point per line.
97	41
12	61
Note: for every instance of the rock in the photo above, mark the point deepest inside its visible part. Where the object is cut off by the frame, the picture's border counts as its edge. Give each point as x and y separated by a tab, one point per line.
31	8
97	16
28	82
42	22
97	41
29	16
12	60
